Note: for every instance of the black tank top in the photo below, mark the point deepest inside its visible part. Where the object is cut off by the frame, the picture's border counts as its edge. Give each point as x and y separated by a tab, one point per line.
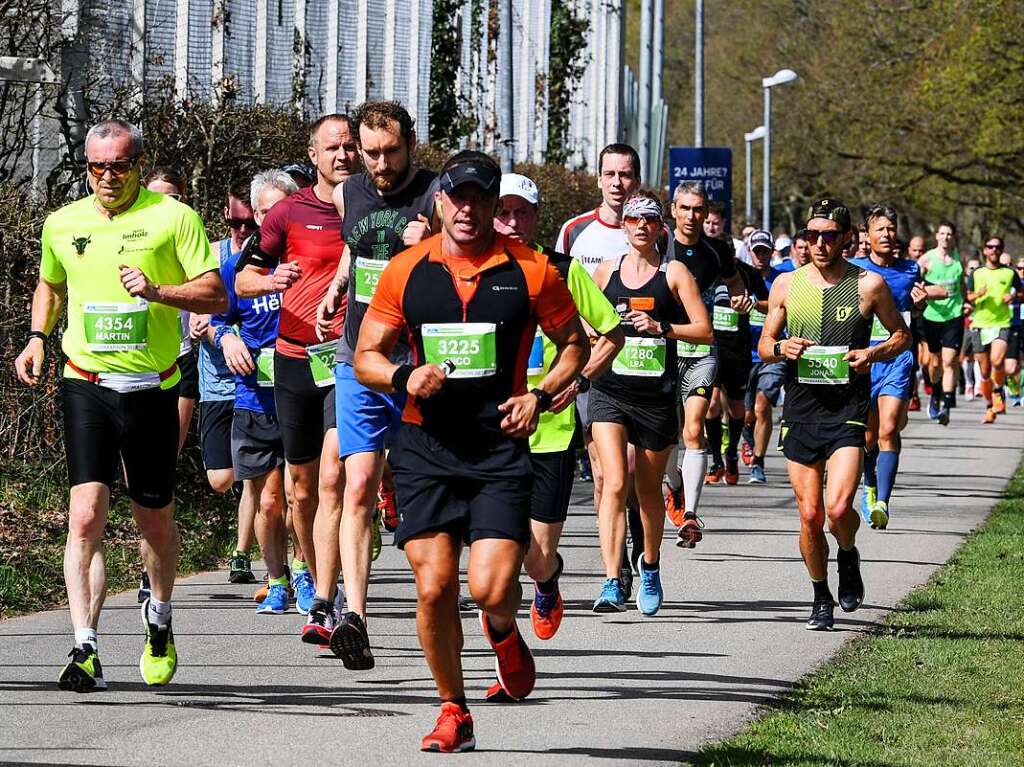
372	229
644	371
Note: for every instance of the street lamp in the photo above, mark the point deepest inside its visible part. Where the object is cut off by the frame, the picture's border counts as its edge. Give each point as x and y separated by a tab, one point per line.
755	135
781	77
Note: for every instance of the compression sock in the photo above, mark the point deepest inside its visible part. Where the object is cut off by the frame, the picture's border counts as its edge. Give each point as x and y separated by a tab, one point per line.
159	613
870	459
86	636
713	426
674	472
937	395
888	464
735	430
986	387
695	466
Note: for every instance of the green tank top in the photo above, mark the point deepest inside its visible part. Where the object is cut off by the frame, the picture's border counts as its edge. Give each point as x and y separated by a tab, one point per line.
990	311
947	276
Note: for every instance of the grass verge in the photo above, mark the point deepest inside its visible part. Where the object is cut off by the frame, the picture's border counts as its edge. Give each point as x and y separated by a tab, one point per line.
941	683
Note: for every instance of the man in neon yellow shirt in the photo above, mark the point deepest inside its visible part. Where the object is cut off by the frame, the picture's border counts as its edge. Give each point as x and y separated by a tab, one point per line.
553	444
992	289
123	261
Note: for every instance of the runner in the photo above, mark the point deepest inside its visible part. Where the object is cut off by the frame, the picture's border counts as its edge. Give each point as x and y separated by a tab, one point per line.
384	209
712	264
124	261
245	335
1015	343
992	289
827	307
890	380
469	300
658	302
301	237
553	444
944	319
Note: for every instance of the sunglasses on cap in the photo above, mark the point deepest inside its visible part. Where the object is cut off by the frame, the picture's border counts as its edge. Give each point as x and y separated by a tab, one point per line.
828	236
241	223
117	168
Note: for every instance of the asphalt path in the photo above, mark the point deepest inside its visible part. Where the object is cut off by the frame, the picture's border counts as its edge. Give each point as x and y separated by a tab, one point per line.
611	689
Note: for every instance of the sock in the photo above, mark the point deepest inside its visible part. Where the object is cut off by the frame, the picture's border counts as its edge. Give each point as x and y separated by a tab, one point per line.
821	589
842	553
674	474
888	463
298	566
551	584
713	427
282	581
238	552
652	568
870	459
947	399
159	613
759	461
694	467
86	636
735	430
460	701
498	636
986	389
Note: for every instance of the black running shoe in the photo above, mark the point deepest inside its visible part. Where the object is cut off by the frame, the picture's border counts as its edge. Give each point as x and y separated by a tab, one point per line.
851	586
626	579
241	568
351	643
821	615
83	673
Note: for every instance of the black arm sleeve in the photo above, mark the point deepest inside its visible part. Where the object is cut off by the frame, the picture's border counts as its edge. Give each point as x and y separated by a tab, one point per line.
251	254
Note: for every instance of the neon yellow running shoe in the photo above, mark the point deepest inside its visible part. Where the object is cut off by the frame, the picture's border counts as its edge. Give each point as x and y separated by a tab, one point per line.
376	544
83	673
159	657
879	515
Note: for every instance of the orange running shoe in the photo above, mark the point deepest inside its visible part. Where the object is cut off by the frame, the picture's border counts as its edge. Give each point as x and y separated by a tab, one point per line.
689	534
998	403
732	474
674	508
388	509
261	593
746	452
547	609
453	731
514	664
990	416
715	475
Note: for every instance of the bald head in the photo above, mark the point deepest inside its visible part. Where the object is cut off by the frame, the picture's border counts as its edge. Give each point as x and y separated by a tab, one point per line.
916	248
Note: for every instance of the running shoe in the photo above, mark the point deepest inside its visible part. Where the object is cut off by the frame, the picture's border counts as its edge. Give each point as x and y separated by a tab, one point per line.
626	581
452	733
159	657
1013	385
375	542
144	592
351	643
757	475
547	609
674	508
927	387
851	585
944	415
276	602
388	509
715	474
261	593
496	694
969	392
868	497
689	534
612	599
989	417
466	604
586	473
320	623
746	452
821	615
732	472
998	403
915	404
650	595
305	591
513	661
1017	401
933	409
83	673
240	569
879	515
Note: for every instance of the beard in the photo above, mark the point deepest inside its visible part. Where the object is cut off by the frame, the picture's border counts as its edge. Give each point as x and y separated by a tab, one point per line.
387	183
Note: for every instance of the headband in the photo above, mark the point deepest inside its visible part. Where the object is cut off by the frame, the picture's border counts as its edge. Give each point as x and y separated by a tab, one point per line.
641	207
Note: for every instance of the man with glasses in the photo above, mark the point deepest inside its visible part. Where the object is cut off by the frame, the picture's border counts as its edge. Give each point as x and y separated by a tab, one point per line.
992	289
123	261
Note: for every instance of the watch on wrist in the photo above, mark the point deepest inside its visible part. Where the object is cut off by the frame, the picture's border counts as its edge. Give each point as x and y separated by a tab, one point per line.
543	399
777	349
37	334
582	383
666	328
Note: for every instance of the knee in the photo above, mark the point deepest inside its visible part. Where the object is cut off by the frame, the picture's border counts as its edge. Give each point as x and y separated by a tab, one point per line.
613	485
157	527
490	592
812	516
220	480
360	491
437	592
693	438
330	476
86	519
837	510
271	506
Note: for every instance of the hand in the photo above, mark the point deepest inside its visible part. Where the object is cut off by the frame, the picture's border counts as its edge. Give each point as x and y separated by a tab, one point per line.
326	311
792	348
918	294
416	231
425	381
236	355
198	325
521	418
981	291
284	276
564	398
644	323
29	365
137	284
742	304
859	359
1008	298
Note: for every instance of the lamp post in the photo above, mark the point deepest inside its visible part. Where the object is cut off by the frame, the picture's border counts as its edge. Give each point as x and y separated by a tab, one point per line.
781	77
755	135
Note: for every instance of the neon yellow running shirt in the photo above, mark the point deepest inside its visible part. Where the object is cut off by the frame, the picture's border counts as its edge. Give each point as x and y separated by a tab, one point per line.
990	310
108	331
554	430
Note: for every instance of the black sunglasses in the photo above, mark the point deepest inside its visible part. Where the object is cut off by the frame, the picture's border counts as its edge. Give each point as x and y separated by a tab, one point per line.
993	246
828	237
116	168
241	223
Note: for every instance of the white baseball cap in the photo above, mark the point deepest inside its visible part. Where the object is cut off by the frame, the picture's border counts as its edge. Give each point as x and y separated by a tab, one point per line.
520	186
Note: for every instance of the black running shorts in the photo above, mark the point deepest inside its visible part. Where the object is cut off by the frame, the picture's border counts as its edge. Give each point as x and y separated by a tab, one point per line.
188	364
215	433
305	411
811	443
256	447
553	475
733	373
104	429
944	335
1013	343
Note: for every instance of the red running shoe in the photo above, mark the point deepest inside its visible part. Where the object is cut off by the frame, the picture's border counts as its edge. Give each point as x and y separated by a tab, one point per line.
915	404
715	475
496	694
674	509
746	453
689	533
452	733
388	509
514	662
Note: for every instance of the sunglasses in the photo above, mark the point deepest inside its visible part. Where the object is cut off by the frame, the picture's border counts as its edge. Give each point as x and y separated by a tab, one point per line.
637	219
993	246
828	237
241	223
117	168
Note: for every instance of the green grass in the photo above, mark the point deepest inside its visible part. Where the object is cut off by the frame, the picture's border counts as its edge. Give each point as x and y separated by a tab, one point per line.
941	683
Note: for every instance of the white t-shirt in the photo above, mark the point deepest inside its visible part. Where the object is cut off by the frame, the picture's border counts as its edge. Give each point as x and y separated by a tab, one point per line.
591	241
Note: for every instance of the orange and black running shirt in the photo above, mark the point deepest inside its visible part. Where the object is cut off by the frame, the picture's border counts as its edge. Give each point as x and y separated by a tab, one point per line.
481	314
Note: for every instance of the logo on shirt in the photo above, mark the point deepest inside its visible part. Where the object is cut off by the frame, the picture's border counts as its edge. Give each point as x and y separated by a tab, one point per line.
135	234
504	287
315	227
843	313
81	243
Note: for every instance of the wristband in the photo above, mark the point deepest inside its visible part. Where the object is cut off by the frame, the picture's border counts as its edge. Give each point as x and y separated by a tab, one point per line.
777	349
220	332
37	334
400	378
543	399
582	383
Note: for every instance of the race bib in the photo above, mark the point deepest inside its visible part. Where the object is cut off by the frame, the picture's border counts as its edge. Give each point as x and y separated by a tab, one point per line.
265	367
116	327
725	319
988	335
536	364
321	362
1020	311
878	331
757	318
471	347
644	357
686	349
823	365
368	271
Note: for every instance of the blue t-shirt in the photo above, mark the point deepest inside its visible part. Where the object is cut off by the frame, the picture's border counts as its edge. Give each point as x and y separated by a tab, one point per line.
900	277
756	318
256	320
216	381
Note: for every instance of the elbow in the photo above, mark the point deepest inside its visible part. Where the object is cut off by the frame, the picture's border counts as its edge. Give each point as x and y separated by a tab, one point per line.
220	301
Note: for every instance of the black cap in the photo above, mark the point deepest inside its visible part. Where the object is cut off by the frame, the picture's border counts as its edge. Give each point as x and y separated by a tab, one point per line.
469	167
833	210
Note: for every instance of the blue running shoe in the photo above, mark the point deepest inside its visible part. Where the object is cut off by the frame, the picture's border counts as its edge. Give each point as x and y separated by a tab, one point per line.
933	409
276	602
305	591
757	476
612	599
868	496
650	594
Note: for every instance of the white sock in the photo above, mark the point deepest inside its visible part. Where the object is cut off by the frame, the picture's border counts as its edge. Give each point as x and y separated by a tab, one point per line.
86	635
159	613
673	474
694	468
